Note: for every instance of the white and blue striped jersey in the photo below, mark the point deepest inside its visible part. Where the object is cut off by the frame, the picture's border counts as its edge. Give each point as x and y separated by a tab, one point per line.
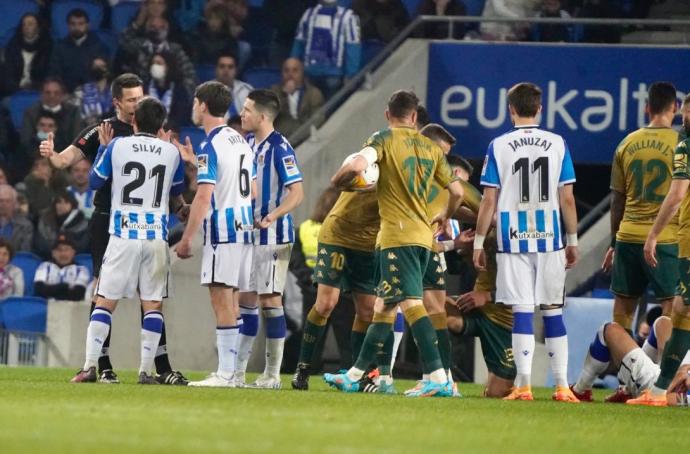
52	274
145	170
528	164
276	169
226	161
84	199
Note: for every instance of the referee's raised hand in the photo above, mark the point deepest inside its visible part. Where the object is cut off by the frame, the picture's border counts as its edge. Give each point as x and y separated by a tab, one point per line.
47	147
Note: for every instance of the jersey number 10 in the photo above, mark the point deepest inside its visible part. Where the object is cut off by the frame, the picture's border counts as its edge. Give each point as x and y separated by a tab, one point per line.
540	165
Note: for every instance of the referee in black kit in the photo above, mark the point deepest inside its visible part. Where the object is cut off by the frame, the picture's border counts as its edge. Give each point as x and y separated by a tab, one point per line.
127	90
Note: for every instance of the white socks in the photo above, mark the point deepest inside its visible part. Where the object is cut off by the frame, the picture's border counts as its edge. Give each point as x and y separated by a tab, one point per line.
248	331
98	330
523	343
151	329
556	344
226	341
276	329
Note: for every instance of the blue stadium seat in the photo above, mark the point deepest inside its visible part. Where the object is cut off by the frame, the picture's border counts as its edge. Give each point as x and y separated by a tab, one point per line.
370	48
27	262
109	40
18	103
24	313
345	3
256	3
205	72
85	260
122	14
262	77
412	6
61	8
474	7
12	11
196	135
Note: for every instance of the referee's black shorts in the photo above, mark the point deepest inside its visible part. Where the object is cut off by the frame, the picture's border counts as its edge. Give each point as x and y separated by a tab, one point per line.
98	229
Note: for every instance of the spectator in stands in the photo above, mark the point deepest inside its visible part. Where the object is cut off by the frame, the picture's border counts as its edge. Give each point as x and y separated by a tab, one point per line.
226	73
299	99
61	278
381	20
11	277
45	124
54	100
165	84
79	186
72	55
14	227
238	14
552	32
213	36
159	9
94	98
63	217
136	51
27	56
282	17
441	8
328	43
40	185
602	10
512	9
8	137
189	13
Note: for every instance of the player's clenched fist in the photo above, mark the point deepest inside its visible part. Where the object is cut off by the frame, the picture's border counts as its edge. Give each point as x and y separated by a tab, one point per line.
183	249
47	147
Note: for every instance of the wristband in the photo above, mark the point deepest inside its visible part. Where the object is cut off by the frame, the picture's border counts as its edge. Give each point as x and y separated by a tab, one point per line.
613	242
447	245
571	239
479	241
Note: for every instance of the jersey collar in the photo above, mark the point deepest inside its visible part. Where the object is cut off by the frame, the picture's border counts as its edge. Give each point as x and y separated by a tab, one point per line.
145	134
526	127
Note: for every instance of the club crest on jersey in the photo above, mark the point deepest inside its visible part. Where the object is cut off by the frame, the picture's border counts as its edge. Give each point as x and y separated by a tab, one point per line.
260	159
290	166
202	162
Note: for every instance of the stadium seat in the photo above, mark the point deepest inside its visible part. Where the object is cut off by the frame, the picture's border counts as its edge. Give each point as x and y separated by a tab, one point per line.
18	103
109	40
474	7
12	11
196	135
370	48
205	72
28	263
412	6
122	14
345	3
24	313
259	34
61	8
85	260
262	77
256	3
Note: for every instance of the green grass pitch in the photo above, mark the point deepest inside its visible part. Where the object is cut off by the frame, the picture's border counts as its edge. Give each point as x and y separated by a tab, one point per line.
41	412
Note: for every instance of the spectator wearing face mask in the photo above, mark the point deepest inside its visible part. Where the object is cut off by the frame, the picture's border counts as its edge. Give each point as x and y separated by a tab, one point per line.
27	56
73	54
165	84
14	227
45	125
136	51
62	217
67	117
93	98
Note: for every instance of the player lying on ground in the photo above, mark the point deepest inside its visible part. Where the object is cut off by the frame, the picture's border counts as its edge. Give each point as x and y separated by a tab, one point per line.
144	171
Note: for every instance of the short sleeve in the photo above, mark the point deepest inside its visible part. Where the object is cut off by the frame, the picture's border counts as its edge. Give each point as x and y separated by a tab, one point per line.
207	164
285	163
681	166
567	168
617	175
443	174
178	185
490	175
87	142
378	142
103	168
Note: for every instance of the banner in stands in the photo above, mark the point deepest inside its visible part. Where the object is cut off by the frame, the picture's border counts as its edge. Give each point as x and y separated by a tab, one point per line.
593	95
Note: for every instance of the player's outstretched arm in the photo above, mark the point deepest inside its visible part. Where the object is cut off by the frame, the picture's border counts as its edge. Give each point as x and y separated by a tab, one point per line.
486	214
350	169
200	206
669	208
569	211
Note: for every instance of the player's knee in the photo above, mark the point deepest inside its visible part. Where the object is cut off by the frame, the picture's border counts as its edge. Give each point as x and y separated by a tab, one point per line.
365	313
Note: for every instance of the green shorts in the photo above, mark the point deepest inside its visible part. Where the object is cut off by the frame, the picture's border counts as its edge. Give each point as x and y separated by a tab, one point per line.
346	269
684	280
402	269
496	341
435	273
631	274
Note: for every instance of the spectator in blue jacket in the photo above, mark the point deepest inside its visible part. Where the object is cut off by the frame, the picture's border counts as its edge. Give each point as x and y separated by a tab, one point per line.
328	42
73	54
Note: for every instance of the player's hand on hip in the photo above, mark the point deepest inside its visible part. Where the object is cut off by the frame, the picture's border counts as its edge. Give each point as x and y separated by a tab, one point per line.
183	249
479	259
105	133
186	149
650	251
607	264
47	147
572	255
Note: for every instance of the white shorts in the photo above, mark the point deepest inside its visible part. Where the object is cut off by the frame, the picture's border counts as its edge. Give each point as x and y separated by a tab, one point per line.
270	268
227	264
531	278
638	372
131	264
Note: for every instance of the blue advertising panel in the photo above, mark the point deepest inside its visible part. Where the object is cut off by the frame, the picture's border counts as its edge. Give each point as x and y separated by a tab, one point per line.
592	95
